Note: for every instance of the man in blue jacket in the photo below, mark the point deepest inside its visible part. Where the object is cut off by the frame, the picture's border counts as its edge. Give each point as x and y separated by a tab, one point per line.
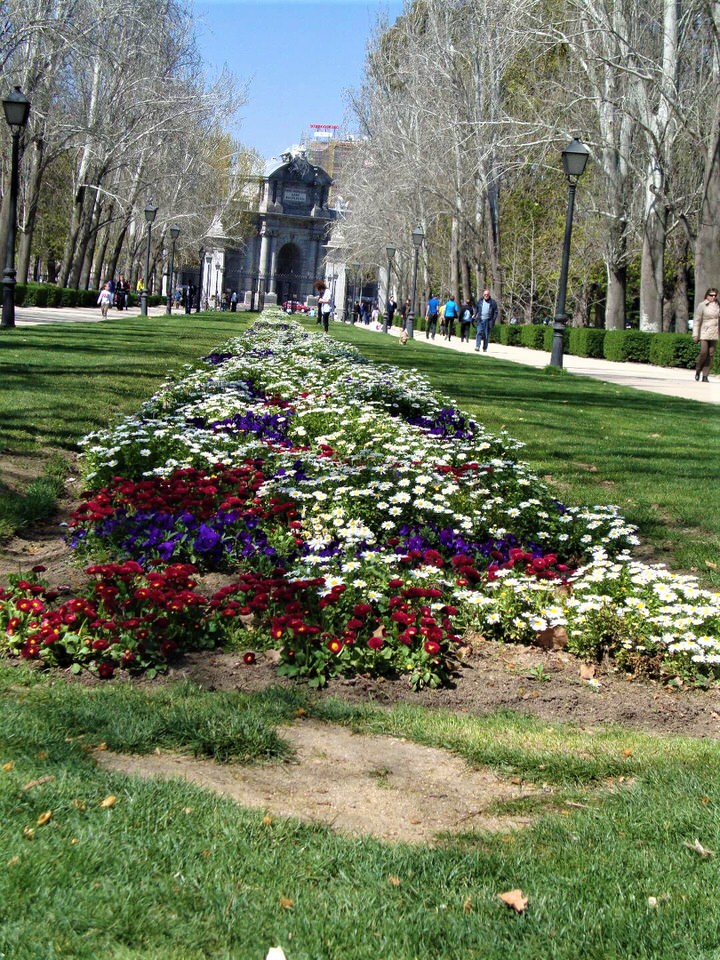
486	313
431	316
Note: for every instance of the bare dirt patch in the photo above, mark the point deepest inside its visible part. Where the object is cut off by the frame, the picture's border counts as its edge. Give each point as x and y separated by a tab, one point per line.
377	785
357	784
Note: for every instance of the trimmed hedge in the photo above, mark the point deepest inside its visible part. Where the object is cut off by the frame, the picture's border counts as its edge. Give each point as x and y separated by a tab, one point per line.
586	342
532	336
628	345
674	350
509	334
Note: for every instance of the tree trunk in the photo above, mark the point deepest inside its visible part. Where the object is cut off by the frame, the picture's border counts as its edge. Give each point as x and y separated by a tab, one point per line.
616	293
653	262
33	194
707	244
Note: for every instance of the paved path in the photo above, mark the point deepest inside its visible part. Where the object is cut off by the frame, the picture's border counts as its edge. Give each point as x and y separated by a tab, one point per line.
40	316
670	381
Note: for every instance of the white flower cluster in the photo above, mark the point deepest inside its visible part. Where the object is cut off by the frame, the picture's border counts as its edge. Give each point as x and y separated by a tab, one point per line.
374	457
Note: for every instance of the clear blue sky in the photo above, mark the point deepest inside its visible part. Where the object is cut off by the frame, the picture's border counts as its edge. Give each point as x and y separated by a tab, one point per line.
298	57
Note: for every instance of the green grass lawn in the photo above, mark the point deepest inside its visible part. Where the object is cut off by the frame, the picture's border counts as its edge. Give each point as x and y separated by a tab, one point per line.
170	872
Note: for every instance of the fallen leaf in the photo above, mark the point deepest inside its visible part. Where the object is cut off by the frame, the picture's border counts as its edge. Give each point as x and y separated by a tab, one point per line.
698	848
514	899
467	905
28	832
79	804
108	802
13	861
286	903
394	881
711	565
267	821
7	767
37	783
627	752
587	671
74	842
44	818
101	746
42	755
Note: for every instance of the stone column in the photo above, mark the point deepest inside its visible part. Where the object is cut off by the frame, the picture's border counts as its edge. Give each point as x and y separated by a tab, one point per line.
273	262
264	251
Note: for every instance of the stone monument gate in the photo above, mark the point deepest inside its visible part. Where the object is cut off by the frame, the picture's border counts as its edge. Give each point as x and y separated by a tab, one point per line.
284	258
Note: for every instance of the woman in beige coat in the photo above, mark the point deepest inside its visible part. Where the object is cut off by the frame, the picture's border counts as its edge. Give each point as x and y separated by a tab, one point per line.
705	331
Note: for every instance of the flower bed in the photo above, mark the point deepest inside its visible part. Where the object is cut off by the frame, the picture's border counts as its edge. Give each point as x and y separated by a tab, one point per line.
367	523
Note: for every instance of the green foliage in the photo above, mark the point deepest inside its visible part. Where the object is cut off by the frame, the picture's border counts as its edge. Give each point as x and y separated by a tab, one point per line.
586	342
624	345
509	334
533	336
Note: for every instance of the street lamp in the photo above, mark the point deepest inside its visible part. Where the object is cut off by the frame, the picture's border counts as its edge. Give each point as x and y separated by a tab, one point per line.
174	234
574	158
208	278
418	236
150	214
17	110
217	284
390	250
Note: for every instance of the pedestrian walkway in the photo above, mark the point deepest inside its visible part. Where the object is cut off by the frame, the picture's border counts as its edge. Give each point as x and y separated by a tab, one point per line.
671	381
40	316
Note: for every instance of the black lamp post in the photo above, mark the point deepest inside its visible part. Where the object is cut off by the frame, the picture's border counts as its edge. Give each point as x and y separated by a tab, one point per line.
174	234
217	284
418	236
17	111
150	214
574	158
390	250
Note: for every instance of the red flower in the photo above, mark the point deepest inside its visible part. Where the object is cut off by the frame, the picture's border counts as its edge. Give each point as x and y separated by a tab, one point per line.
334	645
375	643
105	670
431	647
249	658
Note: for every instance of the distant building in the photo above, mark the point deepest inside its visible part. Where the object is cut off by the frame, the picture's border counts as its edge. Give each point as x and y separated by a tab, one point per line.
284	258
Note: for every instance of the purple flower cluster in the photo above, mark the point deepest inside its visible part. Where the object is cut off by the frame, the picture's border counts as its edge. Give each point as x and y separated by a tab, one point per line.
266	426
447	423
173	538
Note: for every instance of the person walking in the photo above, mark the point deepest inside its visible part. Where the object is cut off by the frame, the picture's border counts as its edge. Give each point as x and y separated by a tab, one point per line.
324	312
233	301
451	315
431	317
390	308
466	315
486	313
105	300
705	332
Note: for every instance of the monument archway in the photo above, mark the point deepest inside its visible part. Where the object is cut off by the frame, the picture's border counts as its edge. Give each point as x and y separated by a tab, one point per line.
288	272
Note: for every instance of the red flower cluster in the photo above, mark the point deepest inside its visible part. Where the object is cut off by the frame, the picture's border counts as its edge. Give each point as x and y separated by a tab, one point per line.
543	568
194	491
128	619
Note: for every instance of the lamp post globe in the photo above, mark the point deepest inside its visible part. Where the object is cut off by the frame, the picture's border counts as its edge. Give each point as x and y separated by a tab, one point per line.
150	214
390	251
174	234
418	237
17	110
574	160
